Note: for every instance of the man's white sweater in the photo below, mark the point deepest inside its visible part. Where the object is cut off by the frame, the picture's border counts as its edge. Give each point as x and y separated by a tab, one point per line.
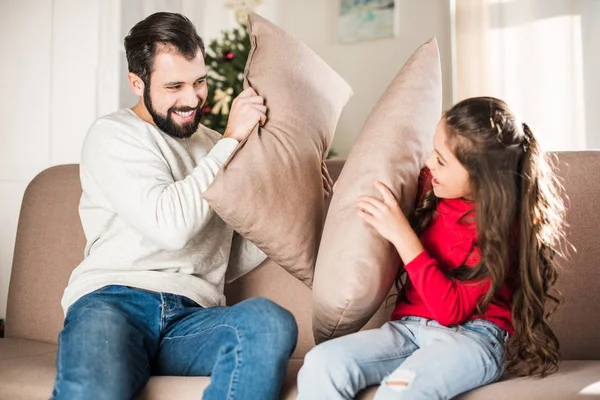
143	215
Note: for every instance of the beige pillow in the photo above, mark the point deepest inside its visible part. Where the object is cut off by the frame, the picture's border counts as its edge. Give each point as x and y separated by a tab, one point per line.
356	268
271	190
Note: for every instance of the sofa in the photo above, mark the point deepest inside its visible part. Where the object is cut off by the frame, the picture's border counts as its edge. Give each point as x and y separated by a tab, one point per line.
50	243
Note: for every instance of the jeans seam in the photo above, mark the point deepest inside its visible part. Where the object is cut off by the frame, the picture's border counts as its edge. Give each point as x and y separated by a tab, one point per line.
234	374
203	331
162	313
237	352
387	358
143	384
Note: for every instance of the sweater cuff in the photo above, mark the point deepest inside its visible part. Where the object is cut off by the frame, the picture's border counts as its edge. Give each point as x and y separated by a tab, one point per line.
419	261
223	149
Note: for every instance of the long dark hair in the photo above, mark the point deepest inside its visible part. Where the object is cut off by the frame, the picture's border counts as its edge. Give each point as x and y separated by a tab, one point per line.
160	29
520	220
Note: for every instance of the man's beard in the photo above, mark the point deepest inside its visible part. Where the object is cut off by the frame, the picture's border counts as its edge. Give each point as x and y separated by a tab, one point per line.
166	123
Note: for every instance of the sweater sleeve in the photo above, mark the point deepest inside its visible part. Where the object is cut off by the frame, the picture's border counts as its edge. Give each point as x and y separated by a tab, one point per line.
450	301
424	185
244	257
138	184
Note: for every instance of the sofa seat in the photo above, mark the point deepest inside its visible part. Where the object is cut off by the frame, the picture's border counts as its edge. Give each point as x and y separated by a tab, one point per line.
28	368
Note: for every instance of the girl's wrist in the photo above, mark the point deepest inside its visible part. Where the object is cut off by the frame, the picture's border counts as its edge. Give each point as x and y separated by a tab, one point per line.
408	245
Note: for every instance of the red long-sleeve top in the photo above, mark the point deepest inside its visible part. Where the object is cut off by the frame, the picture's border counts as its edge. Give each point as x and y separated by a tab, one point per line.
451	241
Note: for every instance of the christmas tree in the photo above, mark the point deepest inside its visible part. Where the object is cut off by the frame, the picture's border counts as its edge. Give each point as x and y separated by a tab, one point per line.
225	60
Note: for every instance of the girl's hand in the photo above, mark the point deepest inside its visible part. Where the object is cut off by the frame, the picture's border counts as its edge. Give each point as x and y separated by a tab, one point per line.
385	216
389	221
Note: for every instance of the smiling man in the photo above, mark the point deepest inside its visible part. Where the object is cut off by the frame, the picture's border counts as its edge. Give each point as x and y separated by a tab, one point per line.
148	296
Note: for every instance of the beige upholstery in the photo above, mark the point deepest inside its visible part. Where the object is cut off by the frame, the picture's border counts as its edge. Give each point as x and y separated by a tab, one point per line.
50	244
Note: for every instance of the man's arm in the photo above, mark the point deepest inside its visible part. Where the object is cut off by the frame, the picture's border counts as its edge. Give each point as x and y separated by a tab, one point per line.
139	186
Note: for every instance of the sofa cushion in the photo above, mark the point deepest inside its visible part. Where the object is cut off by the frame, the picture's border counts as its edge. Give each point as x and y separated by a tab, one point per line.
27	369
27	372
575	379
271	190
356	267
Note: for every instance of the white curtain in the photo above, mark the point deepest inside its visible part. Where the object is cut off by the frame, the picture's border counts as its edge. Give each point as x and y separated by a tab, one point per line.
536	55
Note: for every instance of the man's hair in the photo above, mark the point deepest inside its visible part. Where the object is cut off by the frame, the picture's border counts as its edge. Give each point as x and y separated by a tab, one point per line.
162	30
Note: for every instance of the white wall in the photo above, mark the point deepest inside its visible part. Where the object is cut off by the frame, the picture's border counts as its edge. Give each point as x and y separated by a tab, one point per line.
47	100
371	65
590	35
212	17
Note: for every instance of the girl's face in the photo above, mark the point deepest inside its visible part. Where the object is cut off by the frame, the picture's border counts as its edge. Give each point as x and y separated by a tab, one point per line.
450	178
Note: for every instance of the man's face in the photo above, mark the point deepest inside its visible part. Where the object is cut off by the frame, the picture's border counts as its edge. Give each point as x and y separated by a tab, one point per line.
176	92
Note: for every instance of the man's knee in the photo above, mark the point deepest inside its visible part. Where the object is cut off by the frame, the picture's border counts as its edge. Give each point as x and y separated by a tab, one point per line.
98	319
101	334
271	323
99	352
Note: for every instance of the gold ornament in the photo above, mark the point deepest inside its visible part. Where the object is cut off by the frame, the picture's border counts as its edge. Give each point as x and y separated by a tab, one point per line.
222	100
242	8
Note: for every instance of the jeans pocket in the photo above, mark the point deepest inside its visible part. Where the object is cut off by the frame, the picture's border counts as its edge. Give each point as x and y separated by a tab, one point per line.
489	334
111	289
491	345
105	289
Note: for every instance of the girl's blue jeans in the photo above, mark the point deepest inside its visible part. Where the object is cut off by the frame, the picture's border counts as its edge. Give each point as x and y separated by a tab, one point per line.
411	358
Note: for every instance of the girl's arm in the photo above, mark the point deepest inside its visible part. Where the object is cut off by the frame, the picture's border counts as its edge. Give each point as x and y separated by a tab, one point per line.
387	218
450	301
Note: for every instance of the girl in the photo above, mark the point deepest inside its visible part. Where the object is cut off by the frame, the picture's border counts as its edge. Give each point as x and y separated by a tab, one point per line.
478	268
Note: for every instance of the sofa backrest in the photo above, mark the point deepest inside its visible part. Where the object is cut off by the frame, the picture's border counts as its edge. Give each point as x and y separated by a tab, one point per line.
577	321
50	244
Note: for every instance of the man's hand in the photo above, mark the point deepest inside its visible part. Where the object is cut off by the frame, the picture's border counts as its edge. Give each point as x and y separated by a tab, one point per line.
247	111
327	181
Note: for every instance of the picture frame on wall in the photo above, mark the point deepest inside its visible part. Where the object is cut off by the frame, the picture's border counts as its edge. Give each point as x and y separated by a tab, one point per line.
367	20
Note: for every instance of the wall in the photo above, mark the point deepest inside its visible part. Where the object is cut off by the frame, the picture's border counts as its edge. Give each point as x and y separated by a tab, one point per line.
590	36
371	65
48	98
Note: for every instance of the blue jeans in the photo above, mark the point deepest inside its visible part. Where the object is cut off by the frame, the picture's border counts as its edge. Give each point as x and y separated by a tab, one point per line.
412	358
116	337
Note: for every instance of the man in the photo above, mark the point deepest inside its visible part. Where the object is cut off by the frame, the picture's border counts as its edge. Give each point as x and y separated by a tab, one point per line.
148	297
